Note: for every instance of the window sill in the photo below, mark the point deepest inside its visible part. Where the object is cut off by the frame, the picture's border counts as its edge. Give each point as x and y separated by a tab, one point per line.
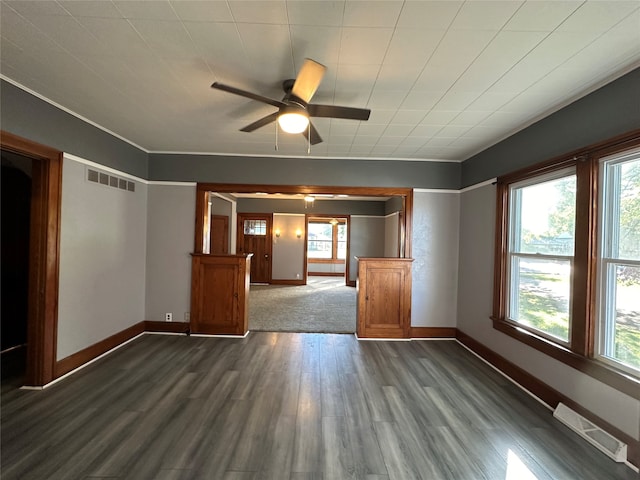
609	375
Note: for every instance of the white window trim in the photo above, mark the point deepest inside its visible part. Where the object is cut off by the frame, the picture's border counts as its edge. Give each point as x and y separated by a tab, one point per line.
606	292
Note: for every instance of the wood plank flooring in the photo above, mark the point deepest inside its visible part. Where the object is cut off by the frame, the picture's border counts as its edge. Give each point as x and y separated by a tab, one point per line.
289	406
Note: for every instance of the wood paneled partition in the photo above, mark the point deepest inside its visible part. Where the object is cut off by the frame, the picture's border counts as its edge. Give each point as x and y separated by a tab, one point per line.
220	294
384	297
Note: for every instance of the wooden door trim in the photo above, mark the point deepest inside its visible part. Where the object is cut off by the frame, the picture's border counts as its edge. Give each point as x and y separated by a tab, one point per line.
44	254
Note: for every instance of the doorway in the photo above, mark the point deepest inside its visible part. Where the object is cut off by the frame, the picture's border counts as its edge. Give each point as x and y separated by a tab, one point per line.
254	236
44	241
327	246
16	208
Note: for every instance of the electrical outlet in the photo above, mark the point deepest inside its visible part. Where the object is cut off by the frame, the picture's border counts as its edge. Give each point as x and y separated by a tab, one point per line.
187	316
168	317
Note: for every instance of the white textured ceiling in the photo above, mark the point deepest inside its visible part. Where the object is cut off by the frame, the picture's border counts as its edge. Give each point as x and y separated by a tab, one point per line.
444	80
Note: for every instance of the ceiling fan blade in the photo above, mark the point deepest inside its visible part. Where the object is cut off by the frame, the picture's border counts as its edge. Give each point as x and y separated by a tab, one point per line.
333	111
315	136
308	80
244	93
261	123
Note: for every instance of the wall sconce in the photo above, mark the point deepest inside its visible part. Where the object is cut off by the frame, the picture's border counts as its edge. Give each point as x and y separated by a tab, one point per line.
277	232
299	233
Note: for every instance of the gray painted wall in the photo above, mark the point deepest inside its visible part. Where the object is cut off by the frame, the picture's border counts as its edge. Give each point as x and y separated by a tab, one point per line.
391	237
394	204
28	116
367	240
222	206
609	111
103	243
475	290
288	250
304	171
170	230
434	243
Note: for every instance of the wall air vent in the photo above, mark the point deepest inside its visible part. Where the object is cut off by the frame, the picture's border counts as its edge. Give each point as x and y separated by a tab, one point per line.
103	178
92	175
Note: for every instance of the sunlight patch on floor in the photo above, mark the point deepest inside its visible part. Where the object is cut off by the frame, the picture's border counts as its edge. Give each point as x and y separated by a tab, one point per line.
516	469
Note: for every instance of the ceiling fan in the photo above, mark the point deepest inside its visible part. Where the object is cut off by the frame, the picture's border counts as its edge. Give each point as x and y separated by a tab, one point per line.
294	109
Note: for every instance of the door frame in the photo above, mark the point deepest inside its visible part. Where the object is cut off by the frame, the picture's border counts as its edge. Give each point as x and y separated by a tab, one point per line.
269	237
347	269
44	255
203	189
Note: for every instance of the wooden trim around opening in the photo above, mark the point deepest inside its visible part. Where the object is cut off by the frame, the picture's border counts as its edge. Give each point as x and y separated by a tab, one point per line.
44	255
203	188
547	394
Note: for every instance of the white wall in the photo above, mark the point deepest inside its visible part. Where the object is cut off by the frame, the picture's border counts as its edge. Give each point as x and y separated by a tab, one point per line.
170	241
103	236
474	309
434	244
288	249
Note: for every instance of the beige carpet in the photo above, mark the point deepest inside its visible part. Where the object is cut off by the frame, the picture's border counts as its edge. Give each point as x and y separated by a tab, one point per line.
325	304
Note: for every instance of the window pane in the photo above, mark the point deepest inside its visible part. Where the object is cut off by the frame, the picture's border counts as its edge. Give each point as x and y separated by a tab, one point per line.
622	332
628	200
319	249
320	231
342	241
544	220
619	321
540	295
255	227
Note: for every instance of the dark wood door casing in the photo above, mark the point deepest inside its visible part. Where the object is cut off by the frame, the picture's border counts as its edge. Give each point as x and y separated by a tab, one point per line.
44	256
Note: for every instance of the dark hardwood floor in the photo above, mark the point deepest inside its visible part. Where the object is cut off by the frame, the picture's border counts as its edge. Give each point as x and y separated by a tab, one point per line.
289	406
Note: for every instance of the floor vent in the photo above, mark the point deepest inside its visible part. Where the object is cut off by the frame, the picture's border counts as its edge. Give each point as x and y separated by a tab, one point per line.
593	434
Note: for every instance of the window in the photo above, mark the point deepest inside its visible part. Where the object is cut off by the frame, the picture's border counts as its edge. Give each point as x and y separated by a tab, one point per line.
541	242
618	335
567	260
327	239
255	227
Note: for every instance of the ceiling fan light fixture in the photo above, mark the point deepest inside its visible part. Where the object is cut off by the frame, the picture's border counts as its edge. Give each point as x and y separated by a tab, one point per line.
293	122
